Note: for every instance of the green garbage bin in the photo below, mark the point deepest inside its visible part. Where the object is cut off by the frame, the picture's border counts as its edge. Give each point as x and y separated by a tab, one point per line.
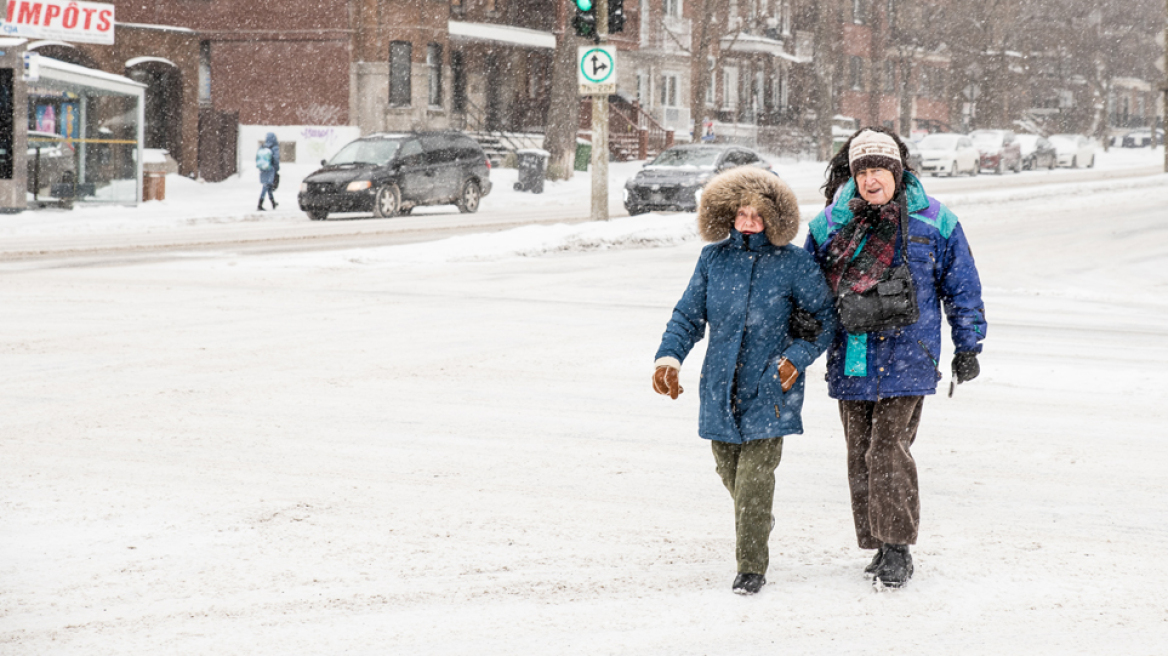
583	155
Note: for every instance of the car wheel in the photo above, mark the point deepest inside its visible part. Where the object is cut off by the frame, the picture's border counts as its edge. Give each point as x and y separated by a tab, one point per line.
1075	162
317	215
999	168
634	210
387	202
953	169
468	200
1091	165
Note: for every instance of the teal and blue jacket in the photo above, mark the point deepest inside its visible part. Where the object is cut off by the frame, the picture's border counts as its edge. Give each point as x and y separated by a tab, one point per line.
905	361
744	289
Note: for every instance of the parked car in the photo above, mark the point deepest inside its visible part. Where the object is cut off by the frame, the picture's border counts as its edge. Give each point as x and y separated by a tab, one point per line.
674	180
1143	138
1074	150
390	174
949	154
999	150
57	162
914	154
1037	152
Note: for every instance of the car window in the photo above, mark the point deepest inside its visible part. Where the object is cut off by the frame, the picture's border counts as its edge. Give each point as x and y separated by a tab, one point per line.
372	151
704	157
410	153
439	149
939	142
747	157
468	148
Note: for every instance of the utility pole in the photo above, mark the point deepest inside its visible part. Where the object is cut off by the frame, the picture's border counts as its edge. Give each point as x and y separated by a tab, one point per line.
600	130
1164	118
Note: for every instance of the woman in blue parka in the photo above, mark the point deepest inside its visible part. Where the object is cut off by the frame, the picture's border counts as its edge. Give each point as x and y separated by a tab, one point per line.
268	162
745	288
881	377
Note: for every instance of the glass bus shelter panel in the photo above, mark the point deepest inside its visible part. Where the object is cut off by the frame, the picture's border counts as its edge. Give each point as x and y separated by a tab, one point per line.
82	145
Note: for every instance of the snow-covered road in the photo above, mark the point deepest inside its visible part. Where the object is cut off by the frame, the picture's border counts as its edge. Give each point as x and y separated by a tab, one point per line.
453	448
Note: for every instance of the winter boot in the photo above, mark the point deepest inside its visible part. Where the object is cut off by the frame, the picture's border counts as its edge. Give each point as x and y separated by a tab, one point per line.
748	584
260	207
896	568
876	560
274	204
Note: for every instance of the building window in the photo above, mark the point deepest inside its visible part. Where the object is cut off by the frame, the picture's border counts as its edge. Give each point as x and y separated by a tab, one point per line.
859	11
434	66
400	53
458	72
856	73
204	72
889	76
671	8
785	16
781	97
669	91
730	87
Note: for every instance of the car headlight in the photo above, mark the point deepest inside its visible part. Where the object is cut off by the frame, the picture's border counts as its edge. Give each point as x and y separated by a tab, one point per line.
358	185
303	187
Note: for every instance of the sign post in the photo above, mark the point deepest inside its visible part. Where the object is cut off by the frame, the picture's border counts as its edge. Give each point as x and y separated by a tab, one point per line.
596	74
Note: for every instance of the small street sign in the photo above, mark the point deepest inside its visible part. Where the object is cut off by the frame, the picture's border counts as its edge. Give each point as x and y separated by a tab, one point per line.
596	70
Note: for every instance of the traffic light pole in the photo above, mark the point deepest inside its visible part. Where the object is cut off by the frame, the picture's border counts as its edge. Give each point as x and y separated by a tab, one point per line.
600	130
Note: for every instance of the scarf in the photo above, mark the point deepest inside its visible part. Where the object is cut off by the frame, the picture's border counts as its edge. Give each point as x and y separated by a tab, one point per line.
861	252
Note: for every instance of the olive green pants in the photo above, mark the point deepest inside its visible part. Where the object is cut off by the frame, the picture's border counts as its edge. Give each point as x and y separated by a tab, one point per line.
748	472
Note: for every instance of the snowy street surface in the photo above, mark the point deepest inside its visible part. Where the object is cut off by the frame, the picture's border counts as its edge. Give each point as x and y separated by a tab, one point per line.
452	446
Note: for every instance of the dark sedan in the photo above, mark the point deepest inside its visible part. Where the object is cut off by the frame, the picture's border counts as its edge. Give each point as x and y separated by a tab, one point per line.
390	174
674	180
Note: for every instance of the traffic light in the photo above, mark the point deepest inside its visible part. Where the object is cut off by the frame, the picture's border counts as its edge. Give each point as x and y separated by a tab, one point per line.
585	20
616	16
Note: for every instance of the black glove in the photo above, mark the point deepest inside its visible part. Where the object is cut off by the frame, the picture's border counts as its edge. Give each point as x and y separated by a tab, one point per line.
965	367
803	325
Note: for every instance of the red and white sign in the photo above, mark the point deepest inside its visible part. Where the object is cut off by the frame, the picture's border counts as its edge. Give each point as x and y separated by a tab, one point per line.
82	22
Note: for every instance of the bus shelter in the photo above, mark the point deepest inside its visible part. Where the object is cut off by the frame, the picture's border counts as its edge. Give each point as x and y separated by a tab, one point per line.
85	135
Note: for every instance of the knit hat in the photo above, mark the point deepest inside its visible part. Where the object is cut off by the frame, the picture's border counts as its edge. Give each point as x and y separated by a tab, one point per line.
871	149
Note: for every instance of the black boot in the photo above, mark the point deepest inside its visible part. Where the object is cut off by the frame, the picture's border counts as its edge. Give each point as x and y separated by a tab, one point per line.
896	568
274	204
876	560
748	584
260	207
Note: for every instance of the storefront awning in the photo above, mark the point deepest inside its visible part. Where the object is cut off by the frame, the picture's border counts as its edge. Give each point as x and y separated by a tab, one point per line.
515	36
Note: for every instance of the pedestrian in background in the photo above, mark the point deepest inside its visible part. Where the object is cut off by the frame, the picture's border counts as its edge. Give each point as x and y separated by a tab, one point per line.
881	376
268	162
746	287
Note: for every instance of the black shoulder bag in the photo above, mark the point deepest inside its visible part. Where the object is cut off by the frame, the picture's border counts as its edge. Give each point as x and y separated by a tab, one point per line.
892	303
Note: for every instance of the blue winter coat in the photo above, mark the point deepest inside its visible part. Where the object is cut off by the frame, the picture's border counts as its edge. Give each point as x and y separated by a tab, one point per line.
268	177
905	362
744	288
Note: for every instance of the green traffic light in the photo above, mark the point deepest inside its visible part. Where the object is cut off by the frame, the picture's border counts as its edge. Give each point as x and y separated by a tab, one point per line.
584	5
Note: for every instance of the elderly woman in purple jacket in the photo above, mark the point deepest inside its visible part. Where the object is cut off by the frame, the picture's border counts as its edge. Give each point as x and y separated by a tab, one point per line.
881	377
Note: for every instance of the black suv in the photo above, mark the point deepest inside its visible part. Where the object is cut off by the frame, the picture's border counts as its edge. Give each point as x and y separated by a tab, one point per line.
390	174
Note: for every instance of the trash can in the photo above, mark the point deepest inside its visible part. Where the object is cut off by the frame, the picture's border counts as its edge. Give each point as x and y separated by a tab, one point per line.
583	155
153	186
532	163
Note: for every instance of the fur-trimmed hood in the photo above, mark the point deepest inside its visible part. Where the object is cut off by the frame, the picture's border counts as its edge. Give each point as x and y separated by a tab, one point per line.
745	185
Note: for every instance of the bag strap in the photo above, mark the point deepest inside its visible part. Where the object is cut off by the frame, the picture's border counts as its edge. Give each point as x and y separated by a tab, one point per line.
904	226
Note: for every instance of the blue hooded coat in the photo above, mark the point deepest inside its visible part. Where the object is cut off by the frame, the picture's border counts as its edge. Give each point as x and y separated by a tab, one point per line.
744	288
268	177
905	361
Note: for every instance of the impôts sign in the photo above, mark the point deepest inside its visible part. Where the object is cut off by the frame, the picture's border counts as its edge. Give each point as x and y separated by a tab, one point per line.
88	22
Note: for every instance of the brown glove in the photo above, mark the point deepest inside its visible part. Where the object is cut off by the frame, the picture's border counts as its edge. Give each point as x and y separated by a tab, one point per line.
788	374
665	382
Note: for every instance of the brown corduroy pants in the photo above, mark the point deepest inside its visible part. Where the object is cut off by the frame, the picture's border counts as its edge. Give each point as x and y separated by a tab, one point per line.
882	474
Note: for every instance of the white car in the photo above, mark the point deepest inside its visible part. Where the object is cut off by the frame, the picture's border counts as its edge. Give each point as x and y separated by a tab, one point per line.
1074	150
944	153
